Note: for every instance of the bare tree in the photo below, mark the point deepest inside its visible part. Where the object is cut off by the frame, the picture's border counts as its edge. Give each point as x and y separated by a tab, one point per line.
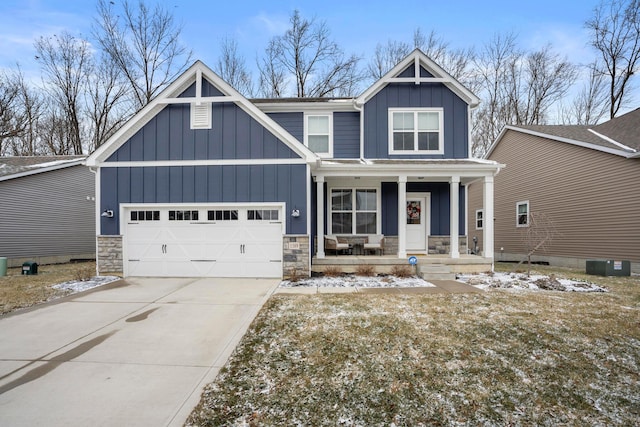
538	236
386	57
455	61
590	104
12	122
232	68
615	34
65	62
516	87
106	104
306	57
145	45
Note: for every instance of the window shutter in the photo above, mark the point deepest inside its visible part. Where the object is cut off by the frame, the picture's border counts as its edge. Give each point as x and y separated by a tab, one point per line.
201	116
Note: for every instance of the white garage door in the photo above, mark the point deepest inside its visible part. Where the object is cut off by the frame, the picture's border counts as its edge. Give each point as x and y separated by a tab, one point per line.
203	242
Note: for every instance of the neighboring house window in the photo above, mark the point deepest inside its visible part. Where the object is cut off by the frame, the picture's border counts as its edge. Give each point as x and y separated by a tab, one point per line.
354	211
318	135
522	214
479	219
415	131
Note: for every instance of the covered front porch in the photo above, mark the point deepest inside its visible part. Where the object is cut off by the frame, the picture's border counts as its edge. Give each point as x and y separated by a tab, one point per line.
419	206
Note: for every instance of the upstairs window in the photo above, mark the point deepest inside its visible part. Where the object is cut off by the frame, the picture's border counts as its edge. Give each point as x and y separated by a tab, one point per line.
415	131
317	133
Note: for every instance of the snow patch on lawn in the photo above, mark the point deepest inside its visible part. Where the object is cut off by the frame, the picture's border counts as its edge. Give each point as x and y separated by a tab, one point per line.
75	286
358	281
519	281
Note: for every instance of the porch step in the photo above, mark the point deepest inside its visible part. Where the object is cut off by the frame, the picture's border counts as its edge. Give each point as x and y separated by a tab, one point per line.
435	272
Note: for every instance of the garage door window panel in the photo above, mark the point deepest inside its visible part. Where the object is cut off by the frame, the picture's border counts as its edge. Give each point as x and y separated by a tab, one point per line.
145	215
222	215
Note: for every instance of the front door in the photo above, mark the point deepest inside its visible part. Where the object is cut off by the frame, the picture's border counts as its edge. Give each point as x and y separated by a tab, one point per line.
417	222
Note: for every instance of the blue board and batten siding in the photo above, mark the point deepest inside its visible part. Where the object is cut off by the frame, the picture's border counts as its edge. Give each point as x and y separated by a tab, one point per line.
234	135
346	135
409	95
346	131
205	184
440	207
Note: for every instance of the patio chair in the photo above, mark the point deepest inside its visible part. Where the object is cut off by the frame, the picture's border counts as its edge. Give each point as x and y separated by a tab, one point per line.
331	243
375	243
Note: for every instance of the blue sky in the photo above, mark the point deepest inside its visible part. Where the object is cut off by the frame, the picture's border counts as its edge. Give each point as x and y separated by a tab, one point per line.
356	25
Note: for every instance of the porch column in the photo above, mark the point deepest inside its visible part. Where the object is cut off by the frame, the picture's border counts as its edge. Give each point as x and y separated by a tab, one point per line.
487	230
402	217
320	216
454	221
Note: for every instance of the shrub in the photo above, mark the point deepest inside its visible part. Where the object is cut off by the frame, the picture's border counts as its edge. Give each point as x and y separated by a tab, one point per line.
83	273
402	270
332	271
366	270
294	275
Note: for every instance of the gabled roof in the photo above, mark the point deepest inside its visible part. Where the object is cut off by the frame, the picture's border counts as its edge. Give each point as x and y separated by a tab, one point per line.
419	59
617	136
19	166
170	95
624	129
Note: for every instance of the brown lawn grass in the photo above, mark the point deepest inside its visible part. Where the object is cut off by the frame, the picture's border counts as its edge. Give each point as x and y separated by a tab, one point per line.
494	358
18	291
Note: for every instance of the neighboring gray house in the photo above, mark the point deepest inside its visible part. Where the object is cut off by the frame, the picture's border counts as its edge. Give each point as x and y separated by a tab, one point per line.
47	206
205	182
585	179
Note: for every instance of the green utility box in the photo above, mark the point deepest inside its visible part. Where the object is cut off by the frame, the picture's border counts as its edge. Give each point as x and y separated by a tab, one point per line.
609	267
29	268
3	266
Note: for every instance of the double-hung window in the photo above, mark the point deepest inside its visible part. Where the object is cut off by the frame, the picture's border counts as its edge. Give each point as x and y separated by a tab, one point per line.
415	131
479	219
318	135
354	211
522	214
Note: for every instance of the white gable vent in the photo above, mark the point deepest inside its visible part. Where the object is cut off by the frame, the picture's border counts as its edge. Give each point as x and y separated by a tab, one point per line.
201	116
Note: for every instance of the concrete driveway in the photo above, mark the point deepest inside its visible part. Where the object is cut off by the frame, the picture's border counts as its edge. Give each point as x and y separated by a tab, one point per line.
135	353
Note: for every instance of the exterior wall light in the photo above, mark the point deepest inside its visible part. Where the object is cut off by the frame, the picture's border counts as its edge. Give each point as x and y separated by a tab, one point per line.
108	213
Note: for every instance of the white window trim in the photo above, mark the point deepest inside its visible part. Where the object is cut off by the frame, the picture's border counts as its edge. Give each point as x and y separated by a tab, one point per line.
201	115
328	114
518	204
353	210
477	212
440	112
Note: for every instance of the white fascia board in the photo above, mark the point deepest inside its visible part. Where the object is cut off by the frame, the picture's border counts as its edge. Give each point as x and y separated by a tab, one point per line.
560	139
396	169
178	86
440	75
334	105
35	169
210	162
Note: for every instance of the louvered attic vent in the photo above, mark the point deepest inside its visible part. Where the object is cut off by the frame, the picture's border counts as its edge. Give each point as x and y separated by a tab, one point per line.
201	116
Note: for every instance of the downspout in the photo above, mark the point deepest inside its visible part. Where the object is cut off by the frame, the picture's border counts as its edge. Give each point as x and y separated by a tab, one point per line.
360	109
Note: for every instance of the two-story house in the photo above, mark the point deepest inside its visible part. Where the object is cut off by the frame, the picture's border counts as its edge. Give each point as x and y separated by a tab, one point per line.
205	182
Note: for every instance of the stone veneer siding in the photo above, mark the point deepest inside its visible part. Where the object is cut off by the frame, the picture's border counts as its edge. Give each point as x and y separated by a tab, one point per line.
439	245
295	257
109	257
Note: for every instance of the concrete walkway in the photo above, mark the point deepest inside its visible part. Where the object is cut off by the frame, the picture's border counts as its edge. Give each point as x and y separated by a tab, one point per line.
136	353
440	287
